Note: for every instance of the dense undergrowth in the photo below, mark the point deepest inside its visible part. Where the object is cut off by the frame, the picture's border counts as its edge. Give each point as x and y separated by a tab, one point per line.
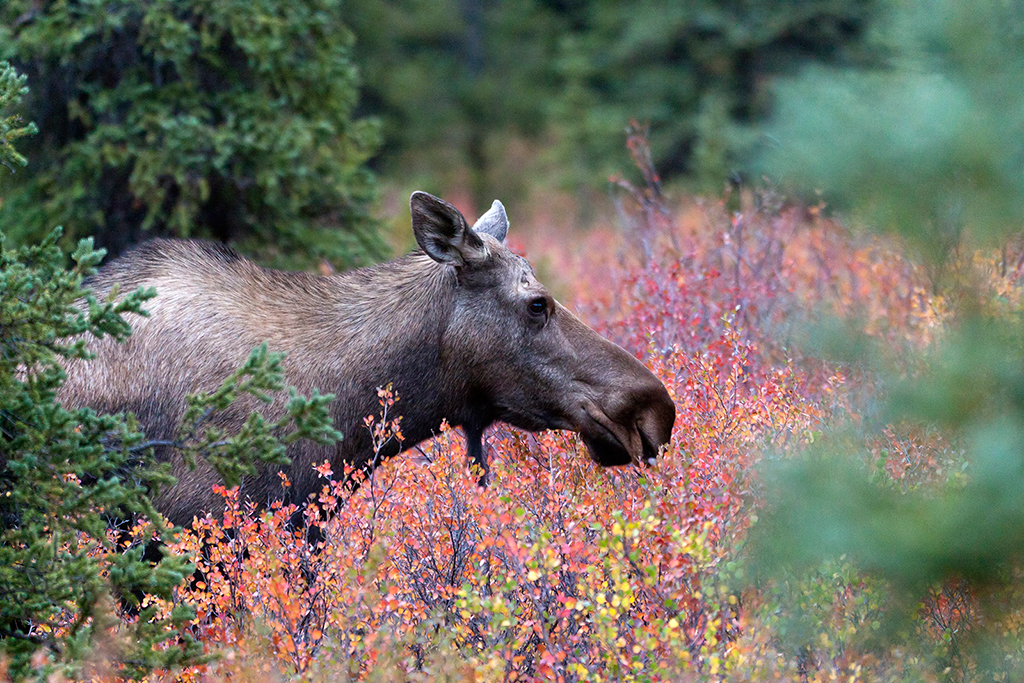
559	571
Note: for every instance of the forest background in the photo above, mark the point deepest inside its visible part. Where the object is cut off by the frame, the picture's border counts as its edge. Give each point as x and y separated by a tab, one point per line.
829	286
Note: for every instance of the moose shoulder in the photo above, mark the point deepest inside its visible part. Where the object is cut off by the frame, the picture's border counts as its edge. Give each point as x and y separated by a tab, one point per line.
462	329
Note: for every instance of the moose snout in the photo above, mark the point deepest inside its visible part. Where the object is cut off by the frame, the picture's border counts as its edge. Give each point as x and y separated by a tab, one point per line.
628	425
655	423
653	415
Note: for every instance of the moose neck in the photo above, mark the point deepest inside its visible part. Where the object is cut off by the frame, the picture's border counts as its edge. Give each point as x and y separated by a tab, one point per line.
381	326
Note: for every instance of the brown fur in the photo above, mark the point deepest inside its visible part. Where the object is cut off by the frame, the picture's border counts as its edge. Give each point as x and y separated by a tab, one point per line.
451	330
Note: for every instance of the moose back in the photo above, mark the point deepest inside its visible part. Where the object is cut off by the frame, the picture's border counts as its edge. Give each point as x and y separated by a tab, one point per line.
461	328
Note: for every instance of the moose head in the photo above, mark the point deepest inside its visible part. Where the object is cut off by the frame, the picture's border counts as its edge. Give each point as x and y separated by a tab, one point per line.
526	359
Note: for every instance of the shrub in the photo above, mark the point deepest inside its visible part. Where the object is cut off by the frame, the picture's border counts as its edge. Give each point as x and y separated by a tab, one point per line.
560	571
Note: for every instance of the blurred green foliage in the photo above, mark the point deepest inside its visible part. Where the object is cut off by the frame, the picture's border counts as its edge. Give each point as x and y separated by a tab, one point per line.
453	80
231	120
926	144
928	141
693	71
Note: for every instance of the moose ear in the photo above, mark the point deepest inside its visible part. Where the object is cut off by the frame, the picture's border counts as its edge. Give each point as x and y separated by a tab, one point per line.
442	233
494	222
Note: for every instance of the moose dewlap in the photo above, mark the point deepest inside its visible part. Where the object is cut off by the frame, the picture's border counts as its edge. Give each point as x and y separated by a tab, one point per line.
462	330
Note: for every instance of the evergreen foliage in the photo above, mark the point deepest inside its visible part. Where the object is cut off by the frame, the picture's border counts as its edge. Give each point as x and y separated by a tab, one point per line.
928	145
455	78
231	120
63	479
76	518
12	88
66	475
692	71
927	141
235	120
450	79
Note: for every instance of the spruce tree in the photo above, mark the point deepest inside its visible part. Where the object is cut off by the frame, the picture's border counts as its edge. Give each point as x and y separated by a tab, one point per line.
77	526
12	89
694	72
452	81
230	120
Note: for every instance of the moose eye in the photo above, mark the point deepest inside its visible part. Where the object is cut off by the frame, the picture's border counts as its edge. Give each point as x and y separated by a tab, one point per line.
538	306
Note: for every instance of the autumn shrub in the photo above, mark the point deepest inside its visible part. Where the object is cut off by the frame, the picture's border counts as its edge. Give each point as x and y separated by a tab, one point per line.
559	570
555	571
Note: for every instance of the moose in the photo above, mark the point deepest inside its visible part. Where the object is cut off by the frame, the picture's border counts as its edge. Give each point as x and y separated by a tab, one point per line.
461	328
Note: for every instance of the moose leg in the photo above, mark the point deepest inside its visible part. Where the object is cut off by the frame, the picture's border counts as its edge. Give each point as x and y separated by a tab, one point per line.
475	451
